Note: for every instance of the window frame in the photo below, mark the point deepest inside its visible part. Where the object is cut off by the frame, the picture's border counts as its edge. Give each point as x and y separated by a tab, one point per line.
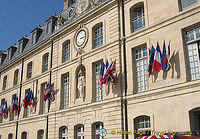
191	38
66	51
98	96
142	119
99	36
29	70
188	6
39	133
65	133
5	80
42	103
80	133
65	82
16	77
137	7
95	131
24	133
143	58
45	62
26	111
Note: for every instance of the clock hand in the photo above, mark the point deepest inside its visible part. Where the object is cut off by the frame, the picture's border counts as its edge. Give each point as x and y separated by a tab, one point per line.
82	37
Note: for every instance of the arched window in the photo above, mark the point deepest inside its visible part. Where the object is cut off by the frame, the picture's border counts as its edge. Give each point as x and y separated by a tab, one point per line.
5	82
66	51
24	135
79	131
137	17
29	70
95	130
40	134
45	62
142	123
63	132
194	116
97	32
10	136
16	77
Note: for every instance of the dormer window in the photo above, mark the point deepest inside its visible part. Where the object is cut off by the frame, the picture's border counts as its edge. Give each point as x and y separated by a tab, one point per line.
34	38
50	24
11	52
35	34
22	44
49	28
3	56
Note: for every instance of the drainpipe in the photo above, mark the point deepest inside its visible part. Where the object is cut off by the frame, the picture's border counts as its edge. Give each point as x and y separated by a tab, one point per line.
50	78
125	68
20	94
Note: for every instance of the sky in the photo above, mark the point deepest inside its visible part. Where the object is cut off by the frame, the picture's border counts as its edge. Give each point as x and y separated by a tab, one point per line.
19	17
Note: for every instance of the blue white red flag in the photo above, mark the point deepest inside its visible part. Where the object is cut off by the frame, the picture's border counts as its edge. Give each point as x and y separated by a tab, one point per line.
4	108
28	101
165	58
15	105
151	58
157	59
49	93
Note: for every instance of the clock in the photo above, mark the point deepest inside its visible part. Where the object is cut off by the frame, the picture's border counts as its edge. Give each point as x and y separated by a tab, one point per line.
81	38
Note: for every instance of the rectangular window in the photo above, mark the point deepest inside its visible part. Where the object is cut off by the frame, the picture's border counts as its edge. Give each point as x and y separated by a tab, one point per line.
141	65
16	76
42	102
187	3
65	90
45	62
4	82
66	52
193	49
98	96
138	18
98	36
26	111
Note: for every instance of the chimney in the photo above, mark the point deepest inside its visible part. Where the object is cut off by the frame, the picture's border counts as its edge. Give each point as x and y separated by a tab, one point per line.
67	3
2	56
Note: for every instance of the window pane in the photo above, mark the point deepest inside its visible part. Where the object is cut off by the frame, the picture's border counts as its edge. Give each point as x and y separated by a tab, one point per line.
65	90
98	91
193	58
98	36
66	52
141	65
138	18
187	3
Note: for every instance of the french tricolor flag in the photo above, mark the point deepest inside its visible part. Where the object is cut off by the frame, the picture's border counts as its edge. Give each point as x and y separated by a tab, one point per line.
165	58
157	59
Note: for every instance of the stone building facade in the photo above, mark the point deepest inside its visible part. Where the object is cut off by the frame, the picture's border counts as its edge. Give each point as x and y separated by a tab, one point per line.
71	46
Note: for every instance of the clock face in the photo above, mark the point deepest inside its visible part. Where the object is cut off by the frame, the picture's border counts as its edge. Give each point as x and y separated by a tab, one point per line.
80	38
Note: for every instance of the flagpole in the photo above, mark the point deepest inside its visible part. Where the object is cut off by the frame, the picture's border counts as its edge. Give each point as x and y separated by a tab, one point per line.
20	92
